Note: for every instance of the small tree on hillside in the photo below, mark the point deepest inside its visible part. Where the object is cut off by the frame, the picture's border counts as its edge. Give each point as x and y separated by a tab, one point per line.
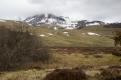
117	38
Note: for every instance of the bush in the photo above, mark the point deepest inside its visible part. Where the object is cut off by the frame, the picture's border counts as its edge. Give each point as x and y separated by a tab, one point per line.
117	38
116	52
120	60
115	67
110	74
85	67
66	74
18	47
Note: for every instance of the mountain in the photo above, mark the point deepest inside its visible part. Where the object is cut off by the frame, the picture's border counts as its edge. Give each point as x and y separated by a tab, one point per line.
86	23
51	19
113	25
45	19
61	21
93	23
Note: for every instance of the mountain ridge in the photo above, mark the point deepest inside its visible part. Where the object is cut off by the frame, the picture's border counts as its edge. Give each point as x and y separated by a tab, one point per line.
62	21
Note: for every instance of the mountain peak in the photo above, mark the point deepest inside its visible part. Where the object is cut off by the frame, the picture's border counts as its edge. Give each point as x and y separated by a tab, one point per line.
45	19
64	22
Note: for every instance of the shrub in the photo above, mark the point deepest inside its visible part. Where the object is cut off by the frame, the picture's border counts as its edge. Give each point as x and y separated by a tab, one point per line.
85	67
117	38
110	74
115	67
66	74
116	52
18	47
120	60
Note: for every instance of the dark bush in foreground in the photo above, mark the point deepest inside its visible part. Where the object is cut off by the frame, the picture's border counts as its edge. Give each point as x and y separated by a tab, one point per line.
116	52
67	74
18	48
110	74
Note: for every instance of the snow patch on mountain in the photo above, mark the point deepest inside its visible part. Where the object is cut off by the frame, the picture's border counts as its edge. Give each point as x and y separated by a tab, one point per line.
55	28
42	35
66	33
50	34
91	33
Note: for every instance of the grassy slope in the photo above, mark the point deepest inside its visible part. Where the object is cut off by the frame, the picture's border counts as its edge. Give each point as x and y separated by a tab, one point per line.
76	38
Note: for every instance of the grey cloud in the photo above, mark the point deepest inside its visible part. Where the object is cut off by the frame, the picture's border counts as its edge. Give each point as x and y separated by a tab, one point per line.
107	10
88	9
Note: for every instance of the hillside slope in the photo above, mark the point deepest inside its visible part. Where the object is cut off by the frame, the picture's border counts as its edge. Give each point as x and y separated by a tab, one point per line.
86	37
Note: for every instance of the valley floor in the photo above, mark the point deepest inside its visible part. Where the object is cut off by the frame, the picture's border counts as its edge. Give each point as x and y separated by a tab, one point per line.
91	49
91	61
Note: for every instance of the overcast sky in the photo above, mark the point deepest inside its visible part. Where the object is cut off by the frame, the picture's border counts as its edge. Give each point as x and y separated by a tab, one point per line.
105	10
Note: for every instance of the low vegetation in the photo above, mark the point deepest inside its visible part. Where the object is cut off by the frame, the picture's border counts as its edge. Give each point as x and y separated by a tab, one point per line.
117	38
66	74
24	53
117	52
110	74
19	49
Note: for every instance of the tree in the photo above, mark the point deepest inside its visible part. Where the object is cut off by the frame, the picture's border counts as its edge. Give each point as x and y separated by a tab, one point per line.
81	24
117	39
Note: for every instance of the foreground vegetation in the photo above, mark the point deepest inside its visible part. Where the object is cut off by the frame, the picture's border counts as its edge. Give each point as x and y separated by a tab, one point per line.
89	63
24	54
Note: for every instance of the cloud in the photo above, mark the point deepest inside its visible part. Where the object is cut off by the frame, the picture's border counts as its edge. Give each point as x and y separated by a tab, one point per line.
83	9
106	10
15	9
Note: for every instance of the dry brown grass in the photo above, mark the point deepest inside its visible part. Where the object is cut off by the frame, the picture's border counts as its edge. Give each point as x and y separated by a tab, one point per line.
24	75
